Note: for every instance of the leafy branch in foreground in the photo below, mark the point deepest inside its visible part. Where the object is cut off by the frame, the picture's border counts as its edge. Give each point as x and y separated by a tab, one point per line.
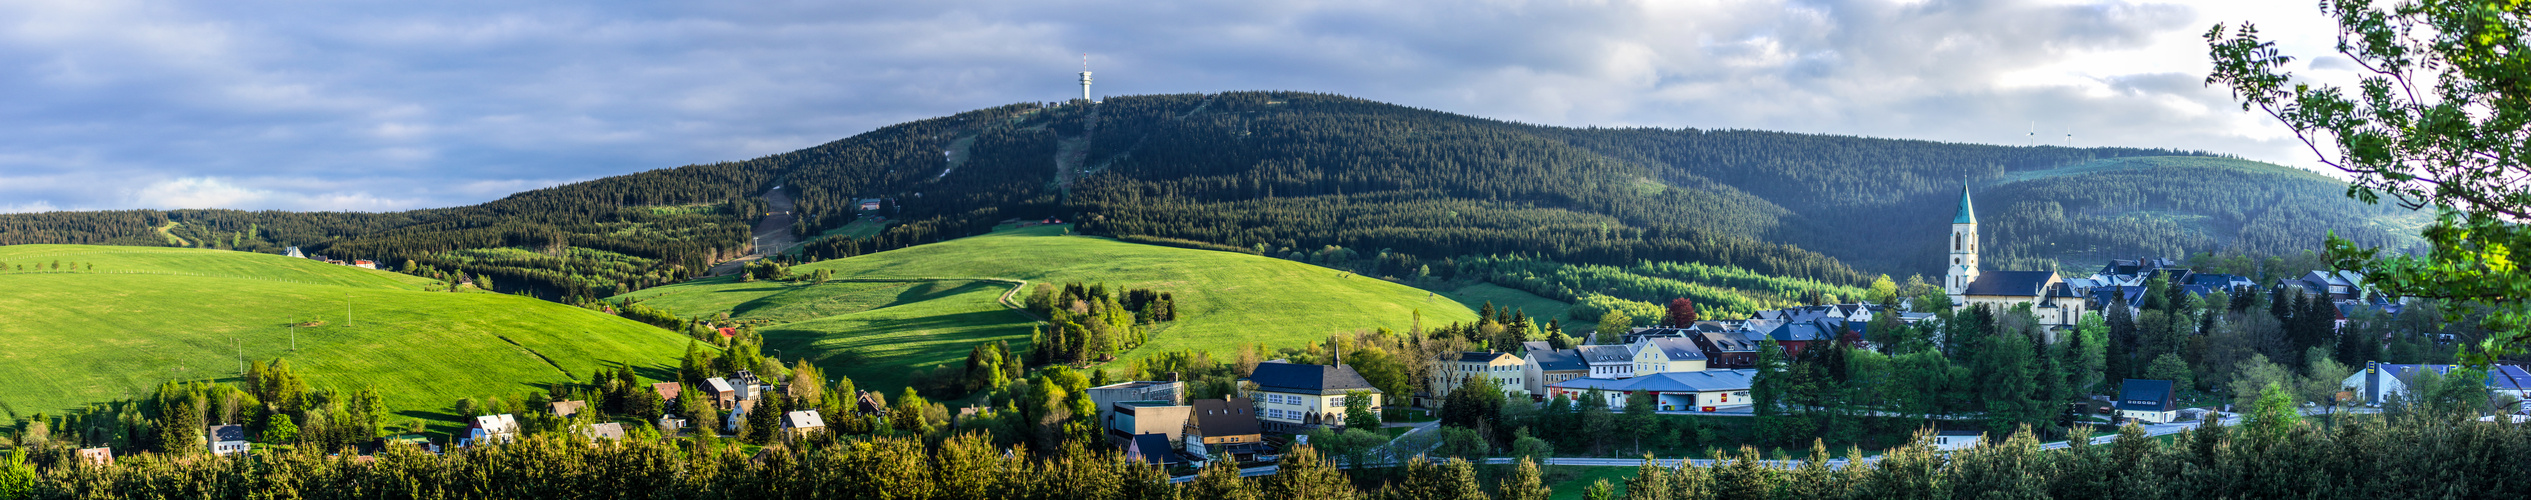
2441	120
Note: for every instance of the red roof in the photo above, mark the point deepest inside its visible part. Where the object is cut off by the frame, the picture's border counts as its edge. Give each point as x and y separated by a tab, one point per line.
729	332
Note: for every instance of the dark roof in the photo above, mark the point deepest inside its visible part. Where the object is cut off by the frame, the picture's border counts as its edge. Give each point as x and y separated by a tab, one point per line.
1155	449
1726	342
1226	417
2146	395
2011	283
2109	294
1480	357
1310	379
1605	354
227	433
1549	360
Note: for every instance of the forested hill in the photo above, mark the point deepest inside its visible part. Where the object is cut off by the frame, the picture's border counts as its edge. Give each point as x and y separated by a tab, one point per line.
1289	173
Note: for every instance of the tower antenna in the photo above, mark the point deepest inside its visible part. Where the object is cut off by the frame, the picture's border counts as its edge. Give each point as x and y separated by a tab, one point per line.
1085	76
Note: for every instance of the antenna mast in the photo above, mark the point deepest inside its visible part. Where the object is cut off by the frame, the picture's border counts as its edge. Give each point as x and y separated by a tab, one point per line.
1085	76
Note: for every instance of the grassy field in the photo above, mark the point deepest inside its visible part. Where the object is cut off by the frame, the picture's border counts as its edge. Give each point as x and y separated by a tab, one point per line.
1477	295
148	315
889	330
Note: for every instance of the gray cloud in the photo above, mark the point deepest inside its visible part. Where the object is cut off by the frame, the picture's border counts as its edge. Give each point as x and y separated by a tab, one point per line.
394	105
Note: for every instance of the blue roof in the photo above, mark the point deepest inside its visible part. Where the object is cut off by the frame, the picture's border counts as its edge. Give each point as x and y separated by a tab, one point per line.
1309	379
1678	348
2146	395
1558	360
1155	449
1967	215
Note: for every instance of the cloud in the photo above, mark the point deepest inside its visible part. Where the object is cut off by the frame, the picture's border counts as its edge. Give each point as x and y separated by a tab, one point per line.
380	106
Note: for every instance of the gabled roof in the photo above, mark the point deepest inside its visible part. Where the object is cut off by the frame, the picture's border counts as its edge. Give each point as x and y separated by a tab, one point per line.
1153	448
1967	215
1549	360
1308	379
569	408
1727	342
223	433
718	385
668	390
503	423
2011	283
1226	417
2146	395
1675	348
1606	354
803	419
609	430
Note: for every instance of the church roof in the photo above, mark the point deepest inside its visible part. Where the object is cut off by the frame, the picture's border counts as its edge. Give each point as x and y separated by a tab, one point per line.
1967	215
2012	283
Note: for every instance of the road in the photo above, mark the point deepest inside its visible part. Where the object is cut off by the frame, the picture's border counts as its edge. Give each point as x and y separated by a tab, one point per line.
2154	430
772	236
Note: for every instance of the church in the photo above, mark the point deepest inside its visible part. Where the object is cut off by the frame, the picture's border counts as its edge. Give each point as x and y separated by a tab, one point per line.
2045	292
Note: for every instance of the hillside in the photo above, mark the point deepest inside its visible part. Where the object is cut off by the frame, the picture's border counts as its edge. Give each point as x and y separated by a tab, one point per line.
917	308
1404	190
142	316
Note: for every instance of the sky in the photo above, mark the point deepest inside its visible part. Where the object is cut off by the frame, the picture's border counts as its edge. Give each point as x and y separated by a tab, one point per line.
377	106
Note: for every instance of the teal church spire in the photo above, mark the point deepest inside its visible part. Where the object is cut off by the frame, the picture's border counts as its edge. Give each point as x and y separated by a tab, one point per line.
1967	215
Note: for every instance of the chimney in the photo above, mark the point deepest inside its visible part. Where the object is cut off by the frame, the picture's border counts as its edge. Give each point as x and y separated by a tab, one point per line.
1338	349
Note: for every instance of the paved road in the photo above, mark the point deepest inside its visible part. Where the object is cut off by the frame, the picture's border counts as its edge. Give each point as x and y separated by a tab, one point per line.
2154	430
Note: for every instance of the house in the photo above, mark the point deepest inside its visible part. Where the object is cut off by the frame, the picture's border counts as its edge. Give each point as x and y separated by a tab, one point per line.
1291	397
2046	293
1701	391
869	204
1723	349
1548	366
1608	361
1506	371
871	403
569	408
1153	449
2381	381
723	396
668	391
1135	418
227	439
1106	396
100	455
746	384
2150	401
802	423
1668	354
609	431
1957	440
670	425
1224	428
491	429
1798	336
293	252
2339	286
363	264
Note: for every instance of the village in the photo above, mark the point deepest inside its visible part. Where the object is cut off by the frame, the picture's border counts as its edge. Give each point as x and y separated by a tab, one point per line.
1687	367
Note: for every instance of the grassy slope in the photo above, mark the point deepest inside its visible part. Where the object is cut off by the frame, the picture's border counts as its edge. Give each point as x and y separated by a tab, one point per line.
878	330
77	338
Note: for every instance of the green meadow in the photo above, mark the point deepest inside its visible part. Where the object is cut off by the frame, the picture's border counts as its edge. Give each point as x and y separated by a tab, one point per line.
918	308
143	316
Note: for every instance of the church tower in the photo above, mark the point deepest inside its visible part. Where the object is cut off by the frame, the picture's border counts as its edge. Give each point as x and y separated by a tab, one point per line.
1963	268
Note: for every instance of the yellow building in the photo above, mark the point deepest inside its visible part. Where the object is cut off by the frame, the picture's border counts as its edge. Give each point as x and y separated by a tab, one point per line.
1293	397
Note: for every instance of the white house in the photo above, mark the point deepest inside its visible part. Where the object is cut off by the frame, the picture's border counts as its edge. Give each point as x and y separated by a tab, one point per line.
227	439
2150	401
1609	361
1957	440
